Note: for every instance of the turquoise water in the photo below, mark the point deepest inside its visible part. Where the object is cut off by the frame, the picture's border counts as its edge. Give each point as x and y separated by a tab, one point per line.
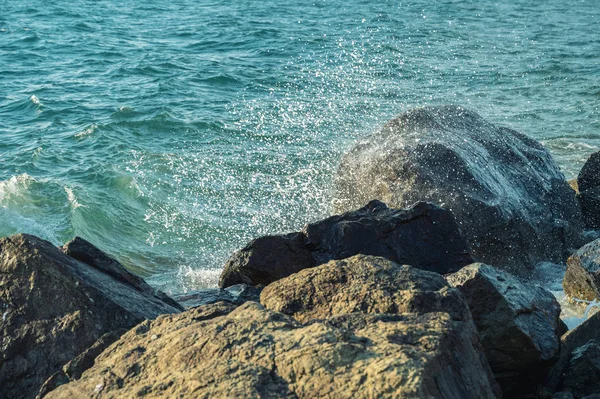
171	133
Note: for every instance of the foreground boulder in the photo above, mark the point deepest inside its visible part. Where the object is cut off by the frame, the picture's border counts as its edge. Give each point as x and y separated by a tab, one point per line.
365	284
54	307
505	190
572	343
589	191
225	351
582	278
424	236
518	323
582	375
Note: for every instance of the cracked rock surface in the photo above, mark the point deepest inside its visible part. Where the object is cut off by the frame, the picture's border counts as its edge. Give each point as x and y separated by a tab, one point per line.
221	350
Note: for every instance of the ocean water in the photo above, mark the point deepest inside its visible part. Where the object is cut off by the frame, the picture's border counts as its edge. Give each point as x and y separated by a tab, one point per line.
171	133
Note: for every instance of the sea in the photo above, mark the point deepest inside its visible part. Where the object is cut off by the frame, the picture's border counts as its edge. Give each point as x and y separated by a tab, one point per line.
170	133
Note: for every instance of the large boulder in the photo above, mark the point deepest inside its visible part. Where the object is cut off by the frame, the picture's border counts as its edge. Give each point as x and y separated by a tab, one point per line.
578	337
589	191
365	284
505	190
582	278
225	351
518	323
582	375
54	307
424	236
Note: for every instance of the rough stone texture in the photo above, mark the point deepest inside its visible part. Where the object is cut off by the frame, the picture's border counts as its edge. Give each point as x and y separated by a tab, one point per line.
589	191
582	279
55	307
582	376
237	294
579	336
218	351
424	236
518	323
86	252
364	284
505	190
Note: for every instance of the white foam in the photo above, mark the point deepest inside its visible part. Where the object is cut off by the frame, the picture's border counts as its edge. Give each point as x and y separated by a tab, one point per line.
86	132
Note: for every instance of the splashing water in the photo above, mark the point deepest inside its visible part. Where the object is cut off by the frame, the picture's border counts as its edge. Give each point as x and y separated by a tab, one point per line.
170	134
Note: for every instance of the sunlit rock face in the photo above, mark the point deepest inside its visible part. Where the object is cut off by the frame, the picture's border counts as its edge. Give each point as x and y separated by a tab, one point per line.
508	195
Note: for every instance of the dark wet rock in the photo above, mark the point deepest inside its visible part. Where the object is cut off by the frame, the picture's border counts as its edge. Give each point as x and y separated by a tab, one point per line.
589	191
582	375
518	323
225	351
237	294
582	279
579	336
267	259
54	308
424	236
365	284
505	190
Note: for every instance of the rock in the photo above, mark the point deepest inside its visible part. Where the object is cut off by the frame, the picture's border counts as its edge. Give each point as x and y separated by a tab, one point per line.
589	191
222	351
582	376
579	336
86	252
507	193
237	294
267	259
364	284
54	307
518	323
424	236
582	279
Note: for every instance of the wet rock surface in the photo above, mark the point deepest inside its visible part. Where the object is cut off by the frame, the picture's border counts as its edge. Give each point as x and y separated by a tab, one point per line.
582	279
221	350
518	323
55	307
507	193
237	294
589	191
364	284
424	236
582	376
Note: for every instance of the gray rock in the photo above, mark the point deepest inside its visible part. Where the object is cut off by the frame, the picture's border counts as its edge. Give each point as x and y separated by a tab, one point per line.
579	336
582	375
582	279
55	307
424	236
518	323
237	294
224	351
507	193
589	191
366	284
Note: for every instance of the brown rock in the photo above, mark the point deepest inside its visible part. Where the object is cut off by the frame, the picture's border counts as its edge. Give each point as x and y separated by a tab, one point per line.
218	351
55	307
366	284
582	279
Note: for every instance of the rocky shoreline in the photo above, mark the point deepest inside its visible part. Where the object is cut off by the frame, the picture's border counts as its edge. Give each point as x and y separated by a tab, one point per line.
419	288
